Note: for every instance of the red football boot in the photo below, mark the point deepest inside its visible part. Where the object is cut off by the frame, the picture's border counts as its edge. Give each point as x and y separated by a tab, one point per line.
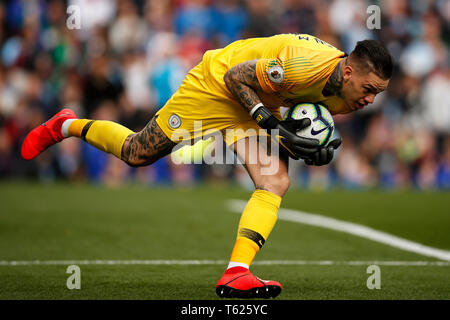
45	135
238	282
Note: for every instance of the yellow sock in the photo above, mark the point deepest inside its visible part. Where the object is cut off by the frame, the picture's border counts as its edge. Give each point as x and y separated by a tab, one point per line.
105	135
256	223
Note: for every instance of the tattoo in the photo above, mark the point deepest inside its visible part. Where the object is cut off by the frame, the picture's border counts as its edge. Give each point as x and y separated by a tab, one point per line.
242	82
334	83
146	146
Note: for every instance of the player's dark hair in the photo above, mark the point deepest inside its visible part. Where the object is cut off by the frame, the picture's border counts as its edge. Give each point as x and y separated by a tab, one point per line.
371	55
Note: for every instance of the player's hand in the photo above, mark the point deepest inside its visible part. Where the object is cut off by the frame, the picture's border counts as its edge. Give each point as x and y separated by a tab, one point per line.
285	132
298	147
325	154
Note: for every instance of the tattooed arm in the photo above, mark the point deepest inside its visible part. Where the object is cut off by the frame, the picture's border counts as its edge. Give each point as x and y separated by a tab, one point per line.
242	82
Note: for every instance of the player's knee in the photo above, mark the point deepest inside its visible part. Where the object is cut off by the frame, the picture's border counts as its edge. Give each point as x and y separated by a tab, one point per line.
135	155
138	162
140	159
277	184
147	146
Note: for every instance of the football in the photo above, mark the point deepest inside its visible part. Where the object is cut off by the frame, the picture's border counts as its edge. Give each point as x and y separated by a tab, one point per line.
322	124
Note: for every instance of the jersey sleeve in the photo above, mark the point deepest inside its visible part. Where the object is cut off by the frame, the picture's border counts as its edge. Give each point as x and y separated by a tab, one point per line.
270	74
294	66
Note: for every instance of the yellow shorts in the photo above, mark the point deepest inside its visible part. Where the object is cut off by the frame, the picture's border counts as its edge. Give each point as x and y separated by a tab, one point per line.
199	109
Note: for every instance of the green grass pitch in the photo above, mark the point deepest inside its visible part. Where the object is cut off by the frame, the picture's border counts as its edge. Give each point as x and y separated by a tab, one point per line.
85	222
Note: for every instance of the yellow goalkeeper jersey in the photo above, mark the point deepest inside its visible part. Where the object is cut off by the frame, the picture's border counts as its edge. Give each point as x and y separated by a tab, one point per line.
291	68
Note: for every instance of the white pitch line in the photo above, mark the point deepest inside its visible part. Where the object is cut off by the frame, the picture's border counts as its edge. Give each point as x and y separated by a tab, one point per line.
351	228
220	262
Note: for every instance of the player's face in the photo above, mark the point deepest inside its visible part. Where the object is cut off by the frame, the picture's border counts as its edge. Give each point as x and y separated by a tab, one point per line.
360	88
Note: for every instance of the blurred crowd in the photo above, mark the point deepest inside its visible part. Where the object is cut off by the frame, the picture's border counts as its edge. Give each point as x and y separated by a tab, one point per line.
128	57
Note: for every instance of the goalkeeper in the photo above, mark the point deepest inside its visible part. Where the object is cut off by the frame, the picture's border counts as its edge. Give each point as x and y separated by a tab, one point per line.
241	88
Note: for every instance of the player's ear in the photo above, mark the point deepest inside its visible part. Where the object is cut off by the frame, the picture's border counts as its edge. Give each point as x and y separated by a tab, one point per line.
347	72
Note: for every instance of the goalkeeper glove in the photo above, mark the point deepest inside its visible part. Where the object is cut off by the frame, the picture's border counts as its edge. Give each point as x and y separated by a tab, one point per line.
298	147
325	154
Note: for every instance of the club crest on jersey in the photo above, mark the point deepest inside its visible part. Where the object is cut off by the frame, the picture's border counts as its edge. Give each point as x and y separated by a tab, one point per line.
276	74
174	121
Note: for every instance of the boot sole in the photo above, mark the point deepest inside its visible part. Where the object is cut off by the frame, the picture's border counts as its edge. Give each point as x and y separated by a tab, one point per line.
265	292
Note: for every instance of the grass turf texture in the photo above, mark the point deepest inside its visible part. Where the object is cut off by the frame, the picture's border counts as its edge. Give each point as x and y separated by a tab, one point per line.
83	222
